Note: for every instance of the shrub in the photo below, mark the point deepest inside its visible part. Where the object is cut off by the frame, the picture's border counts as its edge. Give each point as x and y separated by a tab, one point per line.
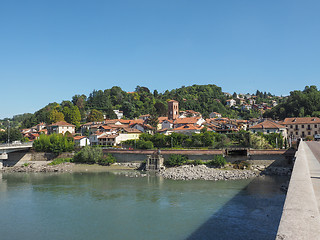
218	161
88	155
107	160
241	165
59	161
196	162
56	143
141	144
176	160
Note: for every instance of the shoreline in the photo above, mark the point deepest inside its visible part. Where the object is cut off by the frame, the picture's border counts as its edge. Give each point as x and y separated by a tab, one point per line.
185	172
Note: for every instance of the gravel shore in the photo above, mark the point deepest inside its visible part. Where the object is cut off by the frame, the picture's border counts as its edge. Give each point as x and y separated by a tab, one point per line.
190	172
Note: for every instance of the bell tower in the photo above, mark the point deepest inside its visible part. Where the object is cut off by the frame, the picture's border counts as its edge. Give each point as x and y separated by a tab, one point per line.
173	110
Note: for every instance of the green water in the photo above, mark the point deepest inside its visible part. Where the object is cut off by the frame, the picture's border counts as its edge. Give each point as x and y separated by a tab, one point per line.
110	205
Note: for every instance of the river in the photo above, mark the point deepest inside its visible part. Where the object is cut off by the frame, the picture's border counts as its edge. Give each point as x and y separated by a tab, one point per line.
111	205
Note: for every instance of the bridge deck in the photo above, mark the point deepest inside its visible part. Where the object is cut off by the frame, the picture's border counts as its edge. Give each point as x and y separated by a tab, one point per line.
313	156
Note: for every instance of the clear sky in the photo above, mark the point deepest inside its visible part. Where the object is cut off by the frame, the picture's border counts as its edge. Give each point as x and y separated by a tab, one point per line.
52	50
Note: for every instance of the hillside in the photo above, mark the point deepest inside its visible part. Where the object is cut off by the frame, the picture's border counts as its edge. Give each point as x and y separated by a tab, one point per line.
201	98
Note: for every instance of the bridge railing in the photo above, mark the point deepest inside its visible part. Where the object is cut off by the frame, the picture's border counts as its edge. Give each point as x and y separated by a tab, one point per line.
16	144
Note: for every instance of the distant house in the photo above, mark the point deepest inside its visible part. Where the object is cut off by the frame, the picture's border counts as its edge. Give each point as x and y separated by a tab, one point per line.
215	115
188	129
268	126
231	102
144	117
246	107
81	141
191	120
61	128
167	124
145	128
118	113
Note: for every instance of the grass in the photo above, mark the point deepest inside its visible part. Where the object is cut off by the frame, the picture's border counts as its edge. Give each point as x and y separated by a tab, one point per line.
58	161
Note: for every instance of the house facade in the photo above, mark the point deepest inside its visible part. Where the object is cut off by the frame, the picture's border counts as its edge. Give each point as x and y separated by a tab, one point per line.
61	127
268	126
302	127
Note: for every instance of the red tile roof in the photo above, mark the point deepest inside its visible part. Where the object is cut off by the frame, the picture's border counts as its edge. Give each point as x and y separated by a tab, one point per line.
62	124
301	120
267	124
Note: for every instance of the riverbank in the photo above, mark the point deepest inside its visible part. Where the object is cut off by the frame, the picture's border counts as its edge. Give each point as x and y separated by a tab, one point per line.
67	167
202	172
186	172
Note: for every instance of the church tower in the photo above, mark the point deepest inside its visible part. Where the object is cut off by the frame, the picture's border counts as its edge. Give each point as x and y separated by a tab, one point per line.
173	110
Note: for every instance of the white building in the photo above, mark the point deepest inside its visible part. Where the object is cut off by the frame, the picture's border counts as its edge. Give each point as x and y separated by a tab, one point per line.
61	127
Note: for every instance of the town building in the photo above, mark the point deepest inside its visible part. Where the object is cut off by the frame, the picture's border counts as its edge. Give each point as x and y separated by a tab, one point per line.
302	127
231	102
81	141
61	127
268	126
215	115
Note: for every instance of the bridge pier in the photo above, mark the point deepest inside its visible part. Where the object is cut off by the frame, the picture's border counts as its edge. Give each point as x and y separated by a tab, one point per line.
3	156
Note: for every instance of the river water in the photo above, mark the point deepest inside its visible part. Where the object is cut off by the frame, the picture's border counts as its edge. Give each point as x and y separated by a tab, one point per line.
111	205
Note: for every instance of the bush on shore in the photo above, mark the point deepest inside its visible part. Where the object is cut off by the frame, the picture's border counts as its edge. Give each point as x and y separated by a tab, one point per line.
59	161
218	161
176	160
93	155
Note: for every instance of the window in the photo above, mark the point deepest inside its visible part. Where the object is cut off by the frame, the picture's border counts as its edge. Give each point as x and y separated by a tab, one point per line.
315	132
268	131
297	133
302	126
291	126
303	134
315	125
309	133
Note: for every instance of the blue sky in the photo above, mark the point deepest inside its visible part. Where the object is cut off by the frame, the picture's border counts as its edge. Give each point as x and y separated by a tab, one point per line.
52	50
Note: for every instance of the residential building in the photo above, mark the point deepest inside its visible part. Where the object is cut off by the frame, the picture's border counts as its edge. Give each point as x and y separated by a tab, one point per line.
81	141
118	113
188	129
268	126
302	127
215	115
61	127
231	102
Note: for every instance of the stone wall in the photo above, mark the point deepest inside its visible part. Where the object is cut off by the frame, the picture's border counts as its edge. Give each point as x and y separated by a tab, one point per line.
21	157
265	158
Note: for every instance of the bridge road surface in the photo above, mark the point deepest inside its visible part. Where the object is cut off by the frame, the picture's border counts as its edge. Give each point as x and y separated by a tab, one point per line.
313	156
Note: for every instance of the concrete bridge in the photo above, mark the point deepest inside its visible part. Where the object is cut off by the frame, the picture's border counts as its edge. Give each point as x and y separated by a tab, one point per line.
5	149
300	218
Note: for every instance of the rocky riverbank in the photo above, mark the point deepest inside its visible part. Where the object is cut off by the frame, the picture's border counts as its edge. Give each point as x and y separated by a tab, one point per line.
33	167
190	172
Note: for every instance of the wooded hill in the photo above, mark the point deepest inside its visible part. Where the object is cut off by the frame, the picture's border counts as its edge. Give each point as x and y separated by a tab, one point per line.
304	103
201	98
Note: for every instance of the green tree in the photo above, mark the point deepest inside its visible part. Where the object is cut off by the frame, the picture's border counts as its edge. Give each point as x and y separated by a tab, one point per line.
55	116
95	116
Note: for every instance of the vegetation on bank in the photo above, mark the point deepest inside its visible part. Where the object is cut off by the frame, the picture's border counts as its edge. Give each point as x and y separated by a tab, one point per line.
55	143
58	161
207	140
92	155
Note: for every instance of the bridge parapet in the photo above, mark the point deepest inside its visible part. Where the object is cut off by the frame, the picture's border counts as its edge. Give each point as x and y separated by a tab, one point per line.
300	218
6	148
